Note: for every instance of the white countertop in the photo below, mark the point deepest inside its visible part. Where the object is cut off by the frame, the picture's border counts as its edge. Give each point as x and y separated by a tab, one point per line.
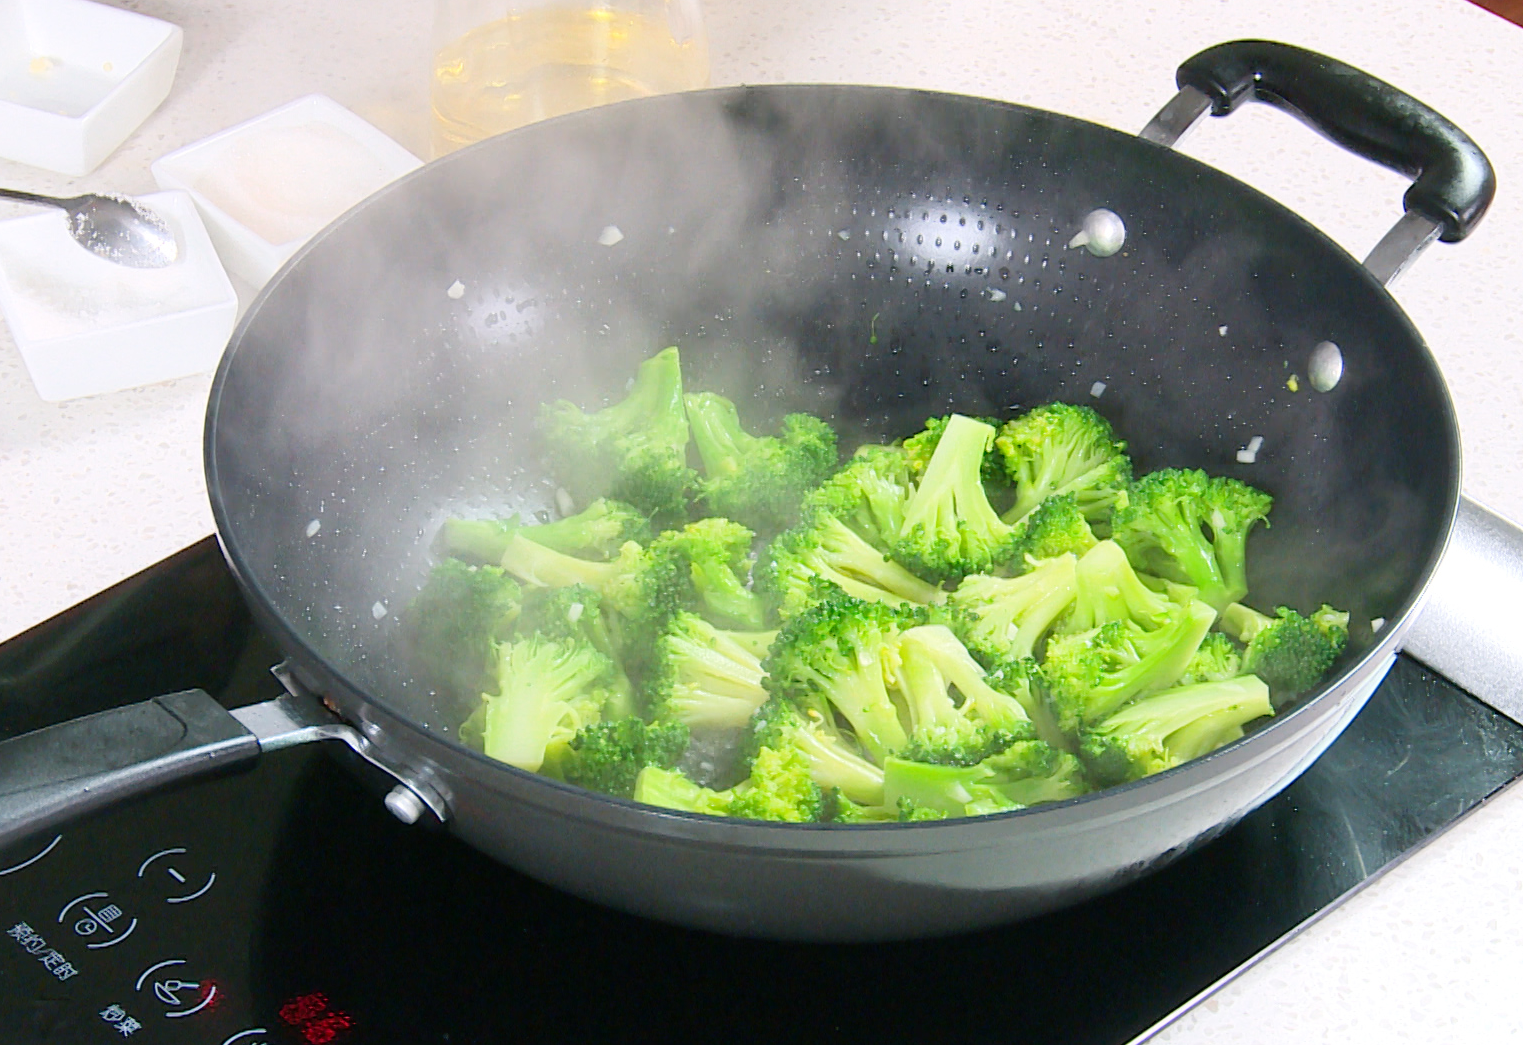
94	490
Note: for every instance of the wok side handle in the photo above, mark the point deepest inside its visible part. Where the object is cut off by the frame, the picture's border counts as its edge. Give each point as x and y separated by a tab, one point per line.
1469	629
77	767
1454	182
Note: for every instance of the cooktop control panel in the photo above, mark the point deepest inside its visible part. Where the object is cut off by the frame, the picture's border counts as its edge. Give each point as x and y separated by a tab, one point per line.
136	927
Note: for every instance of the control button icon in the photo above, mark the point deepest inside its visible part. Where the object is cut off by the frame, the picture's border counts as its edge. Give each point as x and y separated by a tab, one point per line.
92	918
179	997
183	890
23	865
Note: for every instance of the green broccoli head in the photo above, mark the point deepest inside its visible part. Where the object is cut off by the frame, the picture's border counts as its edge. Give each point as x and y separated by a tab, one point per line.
1006	617
1090	674
607	756
950	530
597	531
451	625
758	480
837	655
1288	651
920	447
868	495
714	554
1024	774
779	787
1055	527
634	450
835	763
1217	660
1030	772
958	714
704	677
546	690
1107	588
1165	729
644	589
823	548
577	613
1060	449
1187	526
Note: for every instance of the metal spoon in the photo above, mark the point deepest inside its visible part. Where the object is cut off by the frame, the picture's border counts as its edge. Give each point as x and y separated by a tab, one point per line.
113	227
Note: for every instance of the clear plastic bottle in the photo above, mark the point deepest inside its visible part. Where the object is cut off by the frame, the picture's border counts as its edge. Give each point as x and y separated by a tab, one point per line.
499	64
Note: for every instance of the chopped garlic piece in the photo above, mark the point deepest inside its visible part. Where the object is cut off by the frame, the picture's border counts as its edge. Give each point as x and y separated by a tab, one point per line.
610	235
456	291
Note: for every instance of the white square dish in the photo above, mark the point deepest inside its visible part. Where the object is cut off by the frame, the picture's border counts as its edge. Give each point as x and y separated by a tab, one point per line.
76	78
266	186
86	325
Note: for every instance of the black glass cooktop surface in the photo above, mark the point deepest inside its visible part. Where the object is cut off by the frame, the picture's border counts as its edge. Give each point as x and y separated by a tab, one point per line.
284	905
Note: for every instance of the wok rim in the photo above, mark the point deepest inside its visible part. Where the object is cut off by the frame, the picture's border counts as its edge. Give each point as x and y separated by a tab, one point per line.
1387	643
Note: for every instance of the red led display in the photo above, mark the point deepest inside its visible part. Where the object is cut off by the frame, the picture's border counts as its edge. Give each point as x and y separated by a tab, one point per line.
310	1015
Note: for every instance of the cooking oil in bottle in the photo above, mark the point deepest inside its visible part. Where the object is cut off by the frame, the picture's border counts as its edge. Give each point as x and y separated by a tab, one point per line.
545	60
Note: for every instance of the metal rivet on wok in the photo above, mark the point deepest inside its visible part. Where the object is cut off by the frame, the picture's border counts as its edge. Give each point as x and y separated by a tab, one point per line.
404	804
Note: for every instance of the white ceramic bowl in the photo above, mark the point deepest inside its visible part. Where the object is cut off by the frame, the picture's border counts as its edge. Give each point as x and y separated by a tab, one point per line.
86	325
76	78
267	185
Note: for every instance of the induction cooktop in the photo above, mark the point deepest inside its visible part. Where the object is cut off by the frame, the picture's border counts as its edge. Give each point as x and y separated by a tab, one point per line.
285	905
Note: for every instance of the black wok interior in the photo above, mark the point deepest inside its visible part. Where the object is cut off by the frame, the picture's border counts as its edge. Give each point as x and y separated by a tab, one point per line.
872	255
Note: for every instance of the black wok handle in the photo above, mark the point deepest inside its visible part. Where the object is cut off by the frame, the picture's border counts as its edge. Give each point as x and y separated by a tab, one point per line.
64	771
1454	181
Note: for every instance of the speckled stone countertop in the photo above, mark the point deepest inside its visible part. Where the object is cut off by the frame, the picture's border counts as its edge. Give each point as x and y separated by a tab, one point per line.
93	490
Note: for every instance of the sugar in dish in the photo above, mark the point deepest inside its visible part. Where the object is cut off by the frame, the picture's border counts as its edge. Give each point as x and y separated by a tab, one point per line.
266	186
85	326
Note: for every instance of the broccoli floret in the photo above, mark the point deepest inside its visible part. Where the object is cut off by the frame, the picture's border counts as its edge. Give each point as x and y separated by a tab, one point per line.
834	761
868	494
545	692
607	756
1024	774
576	612
1174	726
1056	527
644	588
1165	523
842	810
451	625
669	789
1059	449
825	548
979	722
835	657
1008	616
635	450
477	540
1217	660
714	553
758	479
1090	674
1107	589
705	677
778	788
1031	772
950	530
1288	651
919	448
599	530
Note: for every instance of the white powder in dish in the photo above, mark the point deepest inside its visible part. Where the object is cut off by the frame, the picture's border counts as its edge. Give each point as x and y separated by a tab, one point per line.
284	183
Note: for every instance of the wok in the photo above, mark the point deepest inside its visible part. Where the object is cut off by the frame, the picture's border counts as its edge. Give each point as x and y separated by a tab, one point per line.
871	255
